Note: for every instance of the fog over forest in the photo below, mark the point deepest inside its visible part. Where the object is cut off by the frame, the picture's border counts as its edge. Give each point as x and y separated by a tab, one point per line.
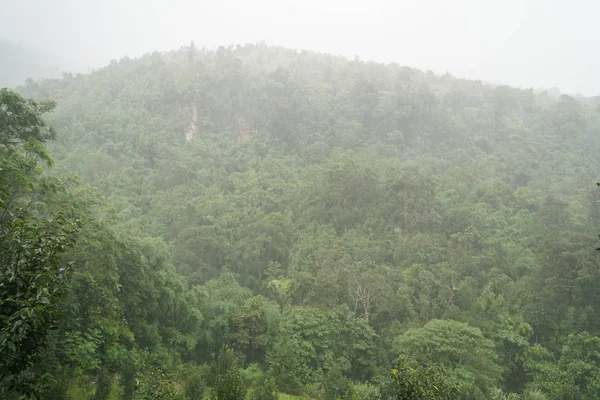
524	43
299	200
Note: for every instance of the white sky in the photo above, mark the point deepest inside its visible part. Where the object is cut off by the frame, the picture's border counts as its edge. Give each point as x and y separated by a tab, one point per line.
527	43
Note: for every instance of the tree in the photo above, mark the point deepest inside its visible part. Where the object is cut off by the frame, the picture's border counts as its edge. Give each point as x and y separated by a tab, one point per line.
32	284
576	373
308	346
221	300
32	239
23	134
265	389
253	325
336	386
155	384
228	386
468	355
414	381
227	380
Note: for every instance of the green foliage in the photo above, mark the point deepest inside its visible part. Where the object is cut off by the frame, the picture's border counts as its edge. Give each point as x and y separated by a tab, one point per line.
531	394
265	389
315	216
81	387
498	394
225	361
309	344
103	387
195	384
417	381
228	386
253	327
576	373
221	300
21	123
31	285
364	391
155	384
336	385
468	355
32	241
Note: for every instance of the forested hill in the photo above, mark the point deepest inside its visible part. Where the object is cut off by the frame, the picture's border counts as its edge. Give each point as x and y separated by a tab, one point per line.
309	106
320	217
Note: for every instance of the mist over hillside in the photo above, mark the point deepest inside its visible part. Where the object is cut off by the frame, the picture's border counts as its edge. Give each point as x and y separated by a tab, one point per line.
522	43
20	63
261	222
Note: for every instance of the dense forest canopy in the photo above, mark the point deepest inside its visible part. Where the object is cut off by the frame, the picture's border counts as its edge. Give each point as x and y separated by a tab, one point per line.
257	221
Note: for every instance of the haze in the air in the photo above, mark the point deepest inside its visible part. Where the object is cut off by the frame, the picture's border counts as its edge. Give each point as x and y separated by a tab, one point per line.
525	43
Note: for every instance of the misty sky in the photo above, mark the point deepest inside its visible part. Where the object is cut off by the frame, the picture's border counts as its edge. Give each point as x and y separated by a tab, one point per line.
526	43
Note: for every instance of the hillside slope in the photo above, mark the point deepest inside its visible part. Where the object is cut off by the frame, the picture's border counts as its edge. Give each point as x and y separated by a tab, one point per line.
439	211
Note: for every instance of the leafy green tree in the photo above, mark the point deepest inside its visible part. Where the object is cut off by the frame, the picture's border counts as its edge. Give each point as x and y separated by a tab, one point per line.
308	345
228	386
468	355
23	134
265	389
32	241
155	384
103	387
336	385
253	327
32	283
576	373
195	382
221	300
417	381
410	200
